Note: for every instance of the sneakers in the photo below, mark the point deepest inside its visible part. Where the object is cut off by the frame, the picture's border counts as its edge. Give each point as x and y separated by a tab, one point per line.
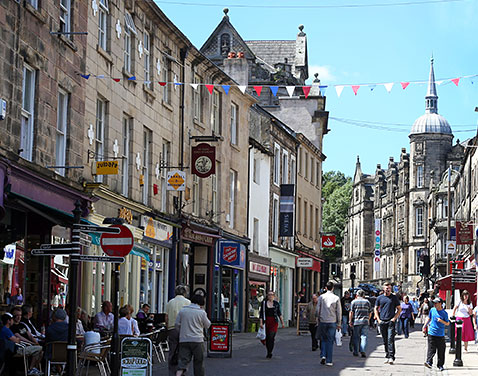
386	361
329	364
322	361
390	361
363	355
355	354
428	365
441	368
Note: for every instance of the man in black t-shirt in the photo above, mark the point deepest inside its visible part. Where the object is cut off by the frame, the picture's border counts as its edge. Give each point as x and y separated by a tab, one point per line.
346	302
387	310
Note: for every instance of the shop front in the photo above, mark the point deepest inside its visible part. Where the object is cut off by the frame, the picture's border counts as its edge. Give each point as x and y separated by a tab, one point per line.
282	280
258	282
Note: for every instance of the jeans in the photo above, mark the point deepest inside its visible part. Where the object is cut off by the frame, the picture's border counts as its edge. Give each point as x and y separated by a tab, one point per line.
387	328
327	339
270	339
345	325
173	342
360	338
188	350
403	326
313	334
438	345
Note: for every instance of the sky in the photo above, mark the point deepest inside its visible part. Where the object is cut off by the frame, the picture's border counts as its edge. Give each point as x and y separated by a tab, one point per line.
364	43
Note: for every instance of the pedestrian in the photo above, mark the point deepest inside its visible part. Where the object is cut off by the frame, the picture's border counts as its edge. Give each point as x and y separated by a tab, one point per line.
191	322
464	312
415	307
330	317
359	320
346	301
311	315
172	309
270	309
387	310
405	316
424	310
435	326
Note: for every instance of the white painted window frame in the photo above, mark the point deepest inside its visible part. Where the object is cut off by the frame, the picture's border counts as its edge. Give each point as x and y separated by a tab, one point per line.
28	112
61	130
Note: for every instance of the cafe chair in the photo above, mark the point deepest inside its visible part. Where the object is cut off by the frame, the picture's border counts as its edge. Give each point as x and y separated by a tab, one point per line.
58	351
158	338
97	353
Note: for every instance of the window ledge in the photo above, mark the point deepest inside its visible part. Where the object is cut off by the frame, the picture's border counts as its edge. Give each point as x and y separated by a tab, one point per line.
199	125
149	91
104	53
38	13
167	106
235	147
68	42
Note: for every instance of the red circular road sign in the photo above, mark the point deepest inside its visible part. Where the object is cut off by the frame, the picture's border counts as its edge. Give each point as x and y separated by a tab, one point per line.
117	244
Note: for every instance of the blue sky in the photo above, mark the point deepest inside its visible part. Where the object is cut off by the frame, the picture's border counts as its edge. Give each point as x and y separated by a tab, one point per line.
365	45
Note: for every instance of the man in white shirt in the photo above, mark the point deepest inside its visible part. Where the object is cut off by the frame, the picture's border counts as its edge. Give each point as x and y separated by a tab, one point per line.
104	319
172	309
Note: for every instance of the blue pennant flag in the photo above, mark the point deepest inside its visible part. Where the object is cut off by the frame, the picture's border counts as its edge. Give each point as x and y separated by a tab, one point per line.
132	78
85	76
274	90
100	76
226	88
372	87
322	89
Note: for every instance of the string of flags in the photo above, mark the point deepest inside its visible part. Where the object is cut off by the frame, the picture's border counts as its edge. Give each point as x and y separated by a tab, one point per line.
258	89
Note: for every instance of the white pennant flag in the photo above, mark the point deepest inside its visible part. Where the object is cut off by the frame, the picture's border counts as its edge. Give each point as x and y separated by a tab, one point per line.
438	82
194	86
388	86
242	88
339	89
290	90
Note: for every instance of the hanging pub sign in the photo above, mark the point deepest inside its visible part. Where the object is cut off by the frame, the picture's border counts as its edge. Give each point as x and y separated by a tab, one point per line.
464	233
232	254
203	160
286	210
106	168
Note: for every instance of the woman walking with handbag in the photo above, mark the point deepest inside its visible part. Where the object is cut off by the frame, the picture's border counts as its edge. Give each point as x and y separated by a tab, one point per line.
464	312
270	315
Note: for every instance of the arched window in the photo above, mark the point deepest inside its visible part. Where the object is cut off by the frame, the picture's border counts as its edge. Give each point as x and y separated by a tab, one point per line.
225	44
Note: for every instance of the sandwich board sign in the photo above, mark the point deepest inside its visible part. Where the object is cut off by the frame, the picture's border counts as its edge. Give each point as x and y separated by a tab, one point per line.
136	357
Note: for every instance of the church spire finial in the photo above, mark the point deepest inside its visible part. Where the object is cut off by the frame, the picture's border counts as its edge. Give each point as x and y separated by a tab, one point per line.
431	97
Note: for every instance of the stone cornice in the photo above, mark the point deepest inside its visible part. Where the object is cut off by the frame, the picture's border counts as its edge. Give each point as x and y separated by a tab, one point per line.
102	191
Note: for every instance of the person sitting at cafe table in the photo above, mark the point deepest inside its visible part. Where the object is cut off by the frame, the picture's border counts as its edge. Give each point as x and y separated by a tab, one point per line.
103	320
27	313
58	330
20	328
142	316
133	321
125	325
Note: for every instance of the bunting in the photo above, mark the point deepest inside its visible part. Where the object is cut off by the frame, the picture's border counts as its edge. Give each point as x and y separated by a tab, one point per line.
274	90
404	85
355	88
306	90
290	90
258	90
456	80
226	88
339	89
388	86
209	88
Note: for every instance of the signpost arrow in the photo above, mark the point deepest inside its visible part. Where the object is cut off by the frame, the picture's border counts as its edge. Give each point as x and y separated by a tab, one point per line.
60	246
88	258
55	252
93	228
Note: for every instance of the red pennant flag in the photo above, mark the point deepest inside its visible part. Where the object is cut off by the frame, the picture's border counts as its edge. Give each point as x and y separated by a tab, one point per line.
306	90
404	85
162	83
355	88
258	90
116	79
210	88
456	80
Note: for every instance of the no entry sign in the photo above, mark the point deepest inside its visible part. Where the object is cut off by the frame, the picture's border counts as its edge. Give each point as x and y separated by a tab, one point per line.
118	245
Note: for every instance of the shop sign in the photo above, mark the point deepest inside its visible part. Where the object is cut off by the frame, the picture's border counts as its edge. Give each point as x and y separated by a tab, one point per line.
232	254
286	210
377	249
203	158
305	262
176	181
219	337
107	168
255	267
197	237
450	247
9	257
464	233
156	229
328	241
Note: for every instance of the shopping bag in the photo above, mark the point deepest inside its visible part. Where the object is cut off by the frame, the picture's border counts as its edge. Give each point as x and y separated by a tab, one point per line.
338	338
261	334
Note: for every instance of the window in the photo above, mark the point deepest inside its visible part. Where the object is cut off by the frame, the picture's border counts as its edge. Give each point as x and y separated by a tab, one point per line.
129	31
127	126
65	17
419	176
306	165
33	3
214	198
276	164
165	160
285	168
147	135
257	170
216	113
167	74
419	221
234	125
317	227
232	197
312	169
61	129
195	195
306	207
147	59
103	24
225	44
275	219
293	170
317	174
299	211
255	236
100	133
28	107
197	104
311	221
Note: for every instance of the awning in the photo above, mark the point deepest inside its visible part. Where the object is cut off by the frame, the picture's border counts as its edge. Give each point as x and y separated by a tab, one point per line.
141	251
59	275
207	234
311	256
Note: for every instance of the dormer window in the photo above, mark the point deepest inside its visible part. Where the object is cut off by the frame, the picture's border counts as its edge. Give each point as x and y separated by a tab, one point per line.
225	44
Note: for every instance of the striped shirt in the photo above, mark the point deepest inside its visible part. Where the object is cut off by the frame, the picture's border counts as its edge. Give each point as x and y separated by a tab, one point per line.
361	309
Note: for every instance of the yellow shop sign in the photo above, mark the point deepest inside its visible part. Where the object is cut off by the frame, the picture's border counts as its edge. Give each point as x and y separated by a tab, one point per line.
107	168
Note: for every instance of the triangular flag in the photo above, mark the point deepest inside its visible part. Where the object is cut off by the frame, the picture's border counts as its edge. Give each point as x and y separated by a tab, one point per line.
274	90
162	83
243	88
339	89
404	85
306	90
85	76
100	76
290	90
226	88
194	86
258	90
456	80
372	87
323	89
132	78
210	88
388	86
355	88
147	82
116	79
439	82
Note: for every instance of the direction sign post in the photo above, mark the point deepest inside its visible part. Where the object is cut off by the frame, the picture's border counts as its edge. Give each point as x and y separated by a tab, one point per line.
88	258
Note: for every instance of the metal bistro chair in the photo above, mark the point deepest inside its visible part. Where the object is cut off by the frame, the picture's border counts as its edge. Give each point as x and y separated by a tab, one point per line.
58	355
22	345
159	338
97	353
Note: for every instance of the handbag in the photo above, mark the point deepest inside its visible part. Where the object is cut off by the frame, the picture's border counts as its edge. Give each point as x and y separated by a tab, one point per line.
261	333
338	338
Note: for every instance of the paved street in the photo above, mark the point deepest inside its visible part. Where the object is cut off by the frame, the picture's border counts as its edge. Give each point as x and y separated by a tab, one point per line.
292	356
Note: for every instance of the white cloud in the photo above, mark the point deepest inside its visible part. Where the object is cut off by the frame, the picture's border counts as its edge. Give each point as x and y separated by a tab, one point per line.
326	75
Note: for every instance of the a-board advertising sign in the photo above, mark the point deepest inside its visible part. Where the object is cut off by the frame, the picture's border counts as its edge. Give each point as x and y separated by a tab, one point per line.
136	356
302	319
220	340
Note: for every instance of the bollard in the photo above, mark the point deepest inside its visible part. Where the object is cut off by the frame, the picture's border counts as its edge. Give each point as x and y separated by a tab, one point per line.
458	362
452	335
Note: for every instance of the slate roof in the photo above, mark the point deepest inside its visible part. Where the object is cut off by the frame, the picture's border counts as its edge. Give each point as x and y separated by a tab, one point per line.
274	51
